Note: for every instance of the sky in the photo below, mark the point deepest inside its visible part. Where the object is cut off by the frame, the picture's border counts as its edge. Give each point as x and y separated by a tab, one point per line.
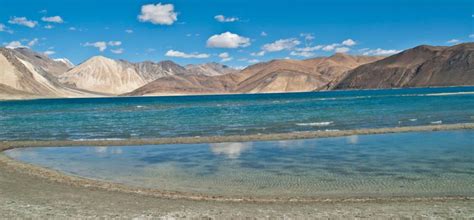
234	32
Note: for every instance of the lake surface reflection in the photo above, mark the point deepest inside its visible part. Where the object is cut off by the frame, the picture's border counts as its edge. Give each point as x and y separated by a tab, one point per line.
402	164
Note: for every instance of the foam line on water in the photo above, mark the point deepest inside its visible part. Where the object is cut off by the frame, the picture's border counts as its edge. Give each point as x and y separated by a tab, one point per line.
4	145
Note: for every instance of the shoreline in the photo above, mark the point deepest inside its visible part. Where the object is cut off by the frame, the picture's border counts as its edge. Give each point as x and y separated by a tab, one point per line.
99	96
10	144
76	181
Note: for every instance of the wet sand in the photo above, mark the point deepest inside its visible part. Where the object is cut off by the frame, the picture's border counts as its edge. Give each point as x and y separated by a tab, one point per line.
33	192
26	196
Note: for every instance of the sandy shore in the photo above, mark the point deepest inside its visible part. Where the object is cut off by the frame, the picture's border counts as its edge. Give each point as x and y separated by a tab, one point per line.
33	192
26	196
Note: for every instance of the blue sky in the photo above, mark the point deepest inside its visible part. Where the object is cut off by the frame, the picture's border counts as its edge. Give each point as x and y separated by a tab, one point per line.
235	32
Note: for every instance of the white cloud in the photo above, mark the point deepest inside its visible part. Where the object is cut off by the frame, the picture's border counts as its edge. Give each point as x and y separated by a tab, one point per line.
101	45
453	41
282	44
349	42
190	35
72	28
4	28
302	53
174	53
48	26
263	34
158	14
330	47
128	31
222	18
342	49
225	57
53	19
471	35
380	52
334	46
307	36
117	51
33	42
49	52
253	61
228	40
23	21
14	44
309	49
114	43
258	54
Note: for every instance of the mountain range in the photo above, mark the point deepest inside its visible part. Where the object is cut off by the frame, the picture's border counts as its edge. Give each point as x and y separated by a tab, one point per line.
27	74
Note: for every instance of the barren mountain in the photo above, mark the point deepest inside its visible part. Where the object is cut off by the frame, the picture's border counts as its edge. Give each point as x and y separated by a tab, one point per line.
297	75
43	62
104	75
186	85
65	61
421	66
151	71
209	69
273	76
26	74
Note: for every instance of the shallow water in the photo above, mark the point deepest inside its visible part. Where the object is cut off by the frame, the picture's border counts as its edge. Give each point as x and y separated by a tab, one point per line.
155	117
401	164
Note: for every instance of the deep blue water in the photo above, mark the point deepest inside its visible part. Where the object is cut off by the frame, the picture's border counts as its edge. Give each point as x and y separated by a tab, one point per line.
154	117
403	164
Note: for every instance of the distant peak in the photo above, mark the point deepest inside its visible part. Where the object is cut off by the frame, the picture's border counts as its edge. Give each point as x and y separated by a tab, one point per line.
342	55
428	47
99	57
65	61
167	62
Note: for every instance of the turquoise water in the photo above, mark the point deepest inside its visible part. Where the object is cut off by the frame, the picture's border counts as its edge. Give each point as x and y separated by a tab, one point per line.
402	164
154	117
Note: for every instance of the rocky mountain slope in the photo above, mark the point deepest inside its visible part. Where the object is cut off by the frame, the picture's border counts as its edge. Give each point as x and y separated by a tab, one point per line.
422	66
104	75
186	85
209	69
297	75
114	77
26	74
269	77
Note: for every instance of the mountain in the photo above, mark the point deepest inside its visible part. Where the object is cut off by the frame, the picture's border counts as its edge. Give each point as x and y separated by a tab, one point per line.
27	74
297	75
103	75
113	77
422	66
42	62
65	61
209	69
273	76
151	71
185	85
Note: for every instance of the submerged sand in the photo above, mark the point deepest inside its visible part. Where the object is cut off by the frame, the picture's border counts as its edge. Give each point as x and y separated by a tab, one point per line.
30	191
